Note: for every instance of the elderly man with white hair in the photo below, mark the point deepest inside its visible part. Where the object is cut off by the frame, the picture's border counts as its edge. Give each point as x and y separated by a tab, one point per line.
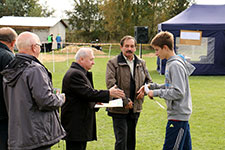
78	112
31	104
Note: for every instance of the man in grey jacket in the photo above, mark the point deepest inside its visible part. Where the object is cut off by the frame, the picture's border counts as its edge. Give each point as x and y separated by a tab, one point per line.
32	107
175	91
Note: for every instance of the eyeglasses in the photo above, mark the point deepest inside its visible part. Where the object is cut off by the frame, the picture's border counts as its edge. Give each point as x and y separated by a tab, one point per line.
38	44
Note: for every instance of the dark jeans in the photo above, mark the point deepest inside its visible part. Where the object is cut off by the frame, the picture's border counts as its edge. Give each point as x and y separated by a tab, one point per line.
3	134
58	45
49	47
125	131
76	145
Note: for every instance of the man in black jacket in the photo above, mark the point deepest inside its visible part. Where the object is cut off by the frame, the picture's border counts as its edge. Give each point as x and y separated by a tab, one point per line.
78	113
7	42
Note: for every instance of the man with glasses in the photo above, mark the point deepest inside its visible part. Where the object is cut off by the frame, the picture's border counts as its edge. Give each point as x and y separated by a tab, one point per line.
31	104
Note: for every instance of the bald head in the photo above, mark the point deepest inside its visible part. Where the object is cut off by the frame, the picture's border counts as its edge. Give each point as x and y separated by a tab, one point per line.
85	58
28	43
8	37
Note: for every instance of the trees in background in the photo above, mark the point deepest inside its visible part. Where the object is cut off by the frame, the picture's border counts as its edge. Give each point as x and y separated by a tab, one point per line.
109	20
86	20
126	14
24	8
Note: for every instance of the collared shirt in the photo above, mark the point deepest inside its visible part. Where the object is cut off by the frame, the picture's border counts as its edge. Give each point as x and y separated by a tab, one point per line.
130	64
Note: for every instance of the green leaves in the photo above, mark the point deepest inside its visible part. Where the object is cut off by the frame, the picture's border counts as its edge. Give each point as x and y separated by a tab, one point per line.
116	18
85	15
23	8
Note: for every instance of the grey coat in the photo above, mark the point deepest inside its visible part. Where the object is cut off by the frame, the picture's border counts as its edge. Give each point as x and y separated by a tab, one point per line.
31	104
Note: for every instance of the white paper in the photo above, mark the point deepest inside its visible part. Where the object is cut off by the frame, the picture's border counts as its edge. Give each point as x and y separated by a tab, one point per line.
112	103
146	88
190	35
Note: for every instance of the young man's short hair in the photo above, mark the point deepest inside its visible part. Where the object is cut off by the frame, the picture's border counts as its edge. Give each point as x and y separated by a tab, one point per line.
163	38
127	37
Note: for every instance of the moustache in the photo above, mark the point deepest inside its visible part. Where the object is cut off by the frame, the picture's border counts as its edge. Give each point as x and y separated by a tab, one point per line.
129	51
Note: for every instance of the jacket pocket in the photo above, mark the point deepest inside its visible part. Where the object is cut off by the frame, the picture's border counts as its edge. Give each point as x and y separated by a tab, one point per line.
140	76
139	104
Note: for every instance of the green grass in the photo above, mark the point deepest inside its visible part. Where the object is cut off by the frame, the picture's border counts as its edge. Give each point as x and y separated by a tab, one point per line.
207	121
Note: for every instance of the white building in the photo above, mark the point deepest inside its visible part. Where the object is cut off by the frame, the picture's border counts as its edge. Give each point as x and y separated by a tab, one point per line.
42	26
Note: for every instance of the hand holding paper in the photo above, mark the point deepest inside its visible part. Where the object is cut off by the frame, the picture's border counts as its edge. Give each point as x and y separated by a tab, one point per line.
112	103
150	94
146	88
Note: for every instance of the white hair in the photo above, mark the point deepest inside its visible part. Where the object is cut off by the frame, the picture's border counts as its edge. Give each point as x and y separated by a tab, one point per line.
26	39
82	52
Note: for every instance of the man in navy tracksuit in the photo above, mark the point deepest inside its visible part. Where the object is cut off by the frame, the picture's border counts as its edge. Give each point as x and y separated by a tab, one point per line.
176	92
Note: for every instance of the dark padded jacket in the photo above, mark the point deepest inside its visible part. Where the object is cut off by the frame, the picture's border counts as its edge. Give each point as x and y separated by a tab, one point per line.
6	56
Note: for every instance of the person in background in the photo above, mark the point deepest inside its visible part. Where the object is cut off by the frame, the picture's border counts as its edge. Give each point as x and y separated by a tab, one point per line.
128	73
31	104
50	41
176	92
58	40
78	113
7	42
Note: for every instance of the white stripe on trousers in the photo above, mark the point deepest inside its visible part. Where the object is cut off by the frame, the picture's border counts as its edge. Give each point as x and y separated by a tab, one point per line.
178	140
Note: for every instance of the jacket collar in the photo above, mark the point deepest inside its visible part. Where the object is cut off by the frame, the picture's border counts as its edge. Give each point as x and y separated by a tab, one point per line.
29	58
16	67
122	60
4	46
78	66
87	73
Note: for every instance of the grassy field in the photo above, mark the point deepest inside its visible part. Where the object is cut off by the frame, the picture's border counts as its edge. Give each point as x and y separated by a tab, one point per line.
207	121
